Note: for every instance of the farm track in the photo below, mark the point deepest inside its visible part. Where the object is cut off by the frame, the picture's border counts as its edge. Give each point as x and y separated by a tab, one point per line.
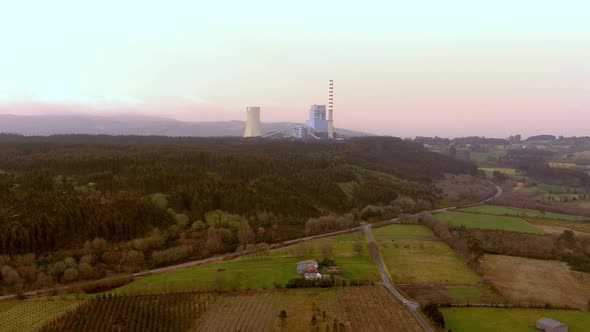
233	255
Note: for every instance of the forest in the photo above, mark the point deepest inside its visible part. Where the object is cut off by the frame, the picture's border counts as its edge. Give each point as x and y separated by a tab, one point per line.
70	200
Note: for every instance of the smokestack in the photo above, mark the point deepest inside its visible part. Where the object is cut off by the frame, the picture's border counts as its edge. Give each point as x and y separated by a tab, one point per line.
331	110
252	122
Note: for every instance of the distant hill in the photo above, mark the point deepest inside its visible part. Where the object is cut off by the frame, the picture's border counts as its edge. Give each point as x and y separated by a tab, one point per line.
133	125
541	138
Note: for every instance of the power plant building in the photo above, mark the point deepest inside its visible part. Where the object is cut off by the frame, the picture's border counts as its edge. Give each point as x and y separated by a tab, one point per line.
253	122
317	119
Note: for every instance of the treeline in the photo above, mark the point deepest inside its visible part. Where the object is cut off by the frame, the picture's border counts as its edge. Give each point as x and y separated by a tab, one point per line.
472	244
534	163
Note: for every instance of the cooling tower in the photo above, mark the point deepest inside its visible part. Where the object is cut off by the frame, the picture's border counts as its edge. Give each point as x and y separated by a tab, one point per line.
252	122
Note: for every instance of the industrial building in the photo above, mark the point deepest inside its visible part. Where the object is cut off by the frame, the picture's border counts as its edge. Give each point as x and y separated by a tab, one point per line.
252	122
318	125
317	119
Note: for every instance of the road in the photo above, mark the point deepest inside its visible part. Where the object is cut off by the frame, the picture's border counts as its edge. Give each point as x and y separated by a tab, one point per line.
234	255
412	306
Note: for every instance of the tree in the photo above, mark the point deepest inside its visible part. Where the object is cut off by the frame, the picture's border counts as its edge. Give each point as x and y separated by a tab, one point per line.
213	240
135	258
283	318
357	246
70	274
245	233
99	246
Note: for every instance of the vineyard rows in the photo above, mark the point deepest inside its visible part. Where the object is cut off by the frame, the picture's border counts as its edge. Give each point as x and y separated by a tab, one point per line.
375	309
32	314
354	309
166	312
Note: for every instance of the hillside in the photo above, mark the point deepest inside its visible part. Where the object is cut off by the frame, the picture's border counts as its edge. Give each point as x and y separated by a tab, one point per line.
129	202
133	125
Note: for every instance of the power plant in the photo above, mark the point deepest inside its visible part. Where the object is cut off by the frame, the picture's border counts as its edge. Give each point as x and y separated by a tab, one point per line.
318	125
252	122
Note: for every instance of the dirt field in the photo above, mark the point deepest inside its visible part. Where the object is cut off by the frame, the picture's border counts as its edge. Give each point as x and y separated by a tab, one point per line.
357	308
451	293
533	281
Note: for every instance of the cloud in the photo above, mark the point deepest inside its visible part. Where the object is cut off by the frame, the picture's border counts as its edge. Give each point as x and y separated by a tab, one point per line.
196	100
66	98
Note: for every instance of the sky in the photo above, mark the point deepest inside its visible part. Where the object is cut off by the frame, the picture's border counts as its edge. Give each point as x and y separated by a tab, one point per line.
401	68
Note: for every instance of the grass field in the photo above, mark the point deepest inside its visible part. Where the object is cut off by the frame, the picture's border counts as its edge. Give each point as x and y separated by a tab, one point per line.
510	172
510	320
484	221
482	157
30	315
357	308
412	254
533	281
259	273
510	211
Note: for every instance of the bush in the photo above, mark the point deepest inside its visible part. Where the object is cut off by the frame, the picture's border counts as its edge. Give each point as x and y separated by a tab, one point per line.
308	283
431	310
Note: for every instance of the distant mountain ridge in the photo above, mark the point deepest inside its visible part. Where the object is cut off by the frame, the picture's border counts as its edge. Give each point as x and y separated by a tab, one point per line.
43	125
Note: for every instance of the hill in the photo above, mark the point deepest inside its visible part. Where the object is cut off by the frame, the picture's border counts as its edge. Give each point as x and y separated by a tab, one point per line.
44	125
79	207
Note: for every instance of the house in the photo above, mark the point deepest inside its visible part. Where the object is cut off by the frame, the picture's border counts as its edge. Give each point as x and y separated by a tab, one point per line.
550	325
304	266
312	275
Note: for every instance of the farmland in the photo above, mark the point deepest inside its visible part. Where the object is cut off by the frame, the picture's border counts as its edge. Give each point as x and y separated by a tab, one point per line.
510	172
555	226
482	221
263	272
169	312
451	293
510	320
509	211
486	157
358	309
525	280
30	315
412	254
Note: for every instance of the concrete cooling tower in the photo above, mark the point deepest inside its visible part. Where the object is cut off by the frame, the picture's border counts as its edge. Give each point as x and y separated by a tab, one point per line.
253	122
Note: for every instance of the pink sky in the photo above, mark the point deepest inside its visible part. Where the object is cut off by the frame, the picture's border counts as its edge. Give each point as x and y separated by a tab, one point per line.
424	68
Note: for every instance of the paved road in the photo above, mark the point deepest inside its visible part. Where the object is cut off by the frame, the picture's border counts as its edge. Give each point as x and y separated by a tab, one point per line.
233	255
412	306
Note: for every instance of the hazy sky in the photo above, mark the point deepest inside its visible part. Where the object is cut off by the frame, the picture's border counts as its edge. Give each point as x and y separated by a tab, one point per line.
403	68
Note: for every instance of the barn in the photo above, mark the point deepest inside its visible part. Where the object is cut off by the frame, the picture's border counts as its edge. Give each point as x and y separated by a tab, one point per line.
550	325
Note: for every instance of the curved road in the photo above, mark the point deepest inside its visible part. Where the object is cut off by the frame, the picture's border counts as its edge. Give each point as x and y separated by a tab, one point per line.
273	246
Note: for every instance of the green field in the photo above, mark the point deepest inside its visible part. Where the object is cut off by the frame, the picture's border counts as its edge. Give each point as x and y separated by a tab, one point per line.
484	221
30	315
412	254
482	157
509	211
510	172
259	273
508	320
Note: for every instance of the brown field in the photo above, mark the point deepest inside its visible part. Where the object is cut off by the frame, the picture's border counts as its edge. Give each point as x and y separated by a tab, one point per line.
557	230
577	226
532	281
358	308
451	293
